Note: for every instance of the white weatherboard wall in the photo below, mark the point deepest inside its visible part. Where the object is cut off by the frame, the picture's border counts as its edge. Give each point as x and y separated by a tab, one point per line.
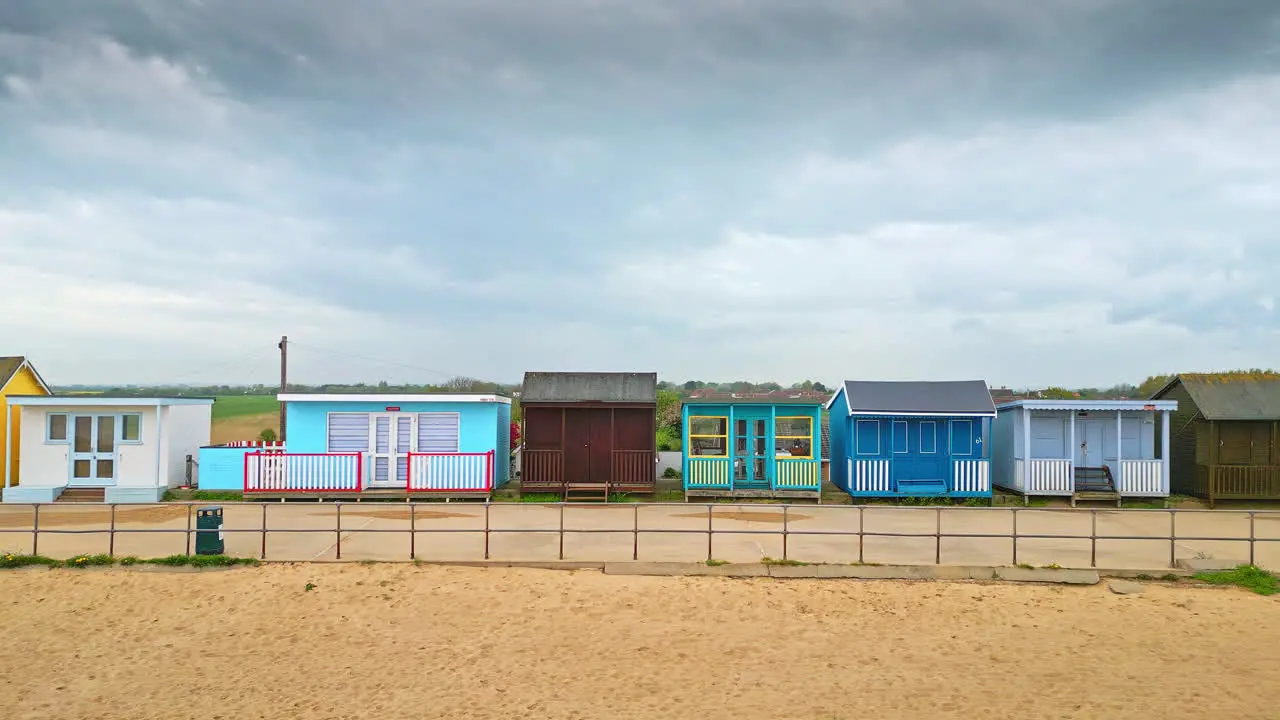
186	430
166	438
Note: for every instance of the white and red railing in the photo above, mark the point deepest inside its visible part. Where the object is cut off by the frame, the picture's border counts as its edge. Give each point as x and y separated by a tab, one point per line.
272	446
451	472
272	471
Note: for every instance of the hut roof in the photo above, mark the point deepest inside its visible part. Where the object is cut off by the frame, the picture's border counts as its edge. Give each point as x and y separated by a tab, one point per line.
963	397
607	387
1231	396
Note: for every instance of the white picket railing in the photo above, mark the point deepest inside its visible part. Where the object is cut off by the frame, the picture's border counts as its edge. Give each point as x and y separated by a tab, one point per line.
1050	476
303	472
870	476
1142	477
451	472
971	476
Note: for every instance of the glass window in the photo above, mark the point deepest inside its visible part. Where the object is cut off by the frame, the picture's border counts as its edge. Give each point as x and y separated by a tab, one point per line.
131	427
709	436
793	437
57	427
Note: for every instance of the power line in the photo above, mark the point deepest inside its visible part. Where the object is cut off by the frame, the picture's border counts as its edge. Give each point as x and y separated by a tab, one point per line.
441	373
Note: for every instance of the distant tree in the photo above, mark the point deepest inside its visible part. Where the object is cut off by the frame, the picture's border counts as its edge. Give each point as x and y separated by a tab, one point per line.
669	410
1152	385
1057	393
819	387
692	385
267	435
769	386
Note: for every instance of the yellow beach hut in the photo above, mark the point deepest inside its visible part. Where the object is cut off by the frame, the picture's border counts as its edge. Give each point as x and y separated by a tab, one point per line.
17	377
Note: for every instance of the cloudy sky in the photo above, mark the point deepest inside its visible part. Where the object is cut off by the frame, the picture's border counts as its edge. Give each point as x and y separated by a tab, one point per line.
1060	192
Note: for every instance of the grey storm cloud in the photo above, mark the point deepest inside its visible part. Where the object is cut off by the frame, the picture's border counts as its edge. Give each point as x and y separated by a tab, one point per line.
446	173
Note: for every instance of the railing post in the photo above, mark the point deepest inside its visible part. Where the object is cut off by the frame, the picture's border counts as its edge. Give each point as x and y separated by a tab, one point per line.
708	532
337	549
413	534
561	531
1093	538
1252	539
860	529
1015	535
111	534
264	531
188	530
785	508
35	530
937	537
486	529
1173	535
635	532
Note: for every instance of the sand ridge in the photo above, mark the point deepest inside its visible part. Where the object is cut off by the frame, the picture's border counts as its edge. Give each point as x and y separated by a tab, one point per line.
399	641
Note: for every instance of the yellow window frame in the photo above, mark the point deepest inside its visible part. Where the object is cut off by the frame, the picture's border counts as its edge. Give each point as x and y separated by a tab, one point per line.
724	436
777	437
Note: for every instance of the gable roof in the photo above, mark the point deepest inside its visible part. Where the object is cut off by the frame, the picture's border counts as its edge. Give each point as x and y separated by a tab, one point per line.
1230	396
608	387
962	397
9	366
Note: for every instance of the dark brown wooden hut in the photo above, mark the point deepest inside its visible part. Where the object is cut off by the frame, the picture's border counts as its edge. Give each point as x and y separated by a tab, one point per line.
589	432
1225	436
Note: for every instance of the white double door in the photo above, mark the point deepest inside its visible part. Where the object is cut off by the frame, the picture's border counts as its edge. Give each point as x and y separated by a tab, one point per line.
391	438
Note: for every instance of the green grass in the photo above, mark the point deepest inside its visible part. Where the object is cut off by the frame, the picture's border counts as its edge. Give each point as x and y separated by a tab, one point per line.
80	561
230	406
537	497
717	563
203	495
1246	576
772	561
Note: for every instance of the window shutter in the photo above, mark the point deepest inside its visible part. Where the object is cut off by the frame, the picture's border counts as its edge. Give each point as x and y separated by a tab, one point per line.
438	432
348	432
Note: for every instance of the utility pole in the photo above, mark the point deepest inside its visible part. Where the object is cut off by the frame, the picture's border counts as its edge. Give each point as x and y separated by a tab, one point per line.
284	378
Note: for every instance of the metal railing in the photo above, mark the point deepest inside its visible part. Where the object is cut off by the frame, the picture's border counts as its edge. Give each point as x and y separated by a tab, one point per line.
785	532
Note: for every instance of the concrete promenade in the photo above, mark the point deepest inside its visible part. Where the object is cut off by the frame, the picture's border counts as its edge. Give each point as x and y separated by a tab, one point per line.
307	531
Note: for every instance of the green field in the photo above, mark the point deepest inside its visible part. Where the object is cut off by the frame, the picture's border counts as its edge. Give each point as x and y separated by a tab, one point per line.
233	406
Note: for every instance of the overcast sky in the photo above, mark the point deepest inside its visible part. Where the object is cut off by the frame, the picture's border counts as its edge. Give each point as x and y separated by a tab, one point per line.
1061	192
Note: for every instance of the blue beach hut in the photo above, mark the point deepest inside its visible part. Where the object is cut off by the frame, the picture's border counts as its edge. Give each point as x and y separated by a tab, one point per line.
379	445
911	439
752	447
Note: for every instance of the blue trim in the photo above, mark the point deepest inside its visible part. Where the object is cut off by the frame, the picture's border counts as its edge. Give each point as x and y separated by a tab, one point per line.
74	402
133	494
31	494
905	440
857	439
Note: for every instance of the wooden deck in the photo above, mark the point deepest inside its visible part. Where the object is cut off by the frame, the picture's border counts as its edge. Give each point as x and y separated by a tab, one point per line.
380	494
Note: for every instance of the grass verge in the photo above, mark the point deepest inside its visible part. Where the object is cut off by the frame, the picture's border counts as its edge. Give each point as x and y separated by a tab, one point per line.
1246	576
80	561
203	495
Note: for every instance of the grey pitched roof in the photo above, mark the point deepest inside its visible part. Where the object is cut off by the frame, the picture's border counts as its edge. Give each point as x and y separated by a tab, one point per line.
964	397
1231	396
609	387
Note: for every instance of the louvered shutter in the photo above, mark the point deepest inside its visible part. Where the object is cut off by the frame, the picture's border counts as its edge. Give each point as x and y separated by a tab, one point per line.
348	432
438	432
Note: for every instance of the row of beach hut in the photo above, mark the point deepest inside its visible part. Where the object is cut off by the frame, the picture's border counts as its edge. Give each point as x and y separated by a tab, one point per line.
592	434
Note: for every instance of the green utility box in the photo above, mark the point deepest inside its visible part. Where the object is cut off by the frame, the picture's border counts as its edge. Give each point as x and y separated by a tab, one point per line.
209	531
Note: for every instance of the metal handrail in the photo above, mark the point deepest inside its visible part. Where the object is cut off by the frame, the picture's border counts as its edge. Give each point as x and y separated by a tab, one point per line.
785	532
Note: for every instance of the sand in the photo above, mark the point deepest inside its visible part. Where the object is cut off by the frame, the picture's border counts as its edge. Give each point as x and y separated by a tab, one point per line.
399	641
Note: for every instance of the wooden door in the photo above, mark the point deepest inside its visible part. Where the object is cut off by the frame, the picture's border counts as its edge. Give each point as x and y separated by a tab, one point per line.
577	445
601	442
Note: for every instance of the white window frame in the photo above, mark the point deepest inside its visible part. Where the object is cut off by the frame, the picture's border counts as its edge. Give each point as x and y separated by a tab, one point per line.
933	424
906	441
120	423
66	428
857	443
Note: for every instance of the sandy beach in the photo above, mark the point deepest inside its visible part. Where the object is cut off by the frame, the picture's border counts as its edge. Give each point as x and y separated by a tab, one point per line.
399	641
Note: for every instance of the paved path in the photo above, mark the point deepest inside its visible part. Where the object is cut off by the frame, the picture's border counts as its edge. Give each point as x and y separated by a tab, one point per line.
668	532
